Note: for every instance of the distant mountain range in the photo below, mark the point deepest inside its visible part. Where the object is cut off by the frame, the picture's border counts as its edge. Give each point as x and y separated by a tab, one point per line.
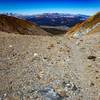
53	19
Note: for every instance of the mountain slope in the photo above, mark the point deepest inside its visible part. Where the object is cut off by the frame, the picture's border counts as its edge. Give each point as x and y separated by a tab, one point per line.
86	27
14	25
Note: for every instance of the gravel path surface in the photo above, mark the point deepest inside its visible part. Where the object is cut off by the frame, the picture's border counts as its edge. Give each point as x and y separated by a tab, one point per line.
49	67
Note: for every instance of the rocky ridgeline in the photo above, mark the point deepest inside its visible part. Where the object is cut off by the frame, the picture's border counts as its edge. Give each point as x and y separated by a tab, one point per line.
84	31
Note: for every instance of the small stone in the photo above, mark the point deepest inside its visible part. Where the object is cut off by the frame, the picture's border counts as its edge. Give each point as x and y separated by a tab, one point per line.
81	40
89	65
67	60
66	89
45	58
97	77
5	95
77	42
27	98
92	58
40	75
58	42
97	71
50	94
10	46
98	57
67	84
68	51
35	54
74	88
62	93
12	98
50	46
92	84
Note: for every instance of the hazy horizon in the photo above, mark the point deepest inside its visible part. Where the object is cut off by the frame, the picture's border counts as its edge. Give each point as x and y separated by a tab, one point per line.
27	14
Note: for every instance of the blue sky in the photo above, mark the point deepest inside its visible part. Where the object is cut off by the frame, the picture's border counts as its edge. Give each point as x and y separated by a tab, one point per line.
87	7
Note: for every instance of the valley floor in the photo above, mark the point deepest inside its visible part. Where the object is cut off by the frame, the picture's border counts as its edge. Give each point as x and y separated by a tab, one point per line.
49	67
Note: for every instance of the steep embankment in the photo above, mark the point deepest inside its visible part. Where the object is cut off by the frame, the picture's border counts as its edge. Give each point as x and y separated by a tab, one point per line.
92	23
14	25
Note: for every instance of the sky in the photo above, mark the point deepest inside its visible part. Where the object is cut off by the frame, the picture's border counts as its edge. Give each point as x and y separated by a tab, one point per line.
87	7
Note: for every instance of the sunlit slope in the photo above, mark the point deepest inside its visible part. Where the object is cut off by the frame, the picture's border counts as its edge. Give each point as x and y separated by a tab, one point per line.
86	27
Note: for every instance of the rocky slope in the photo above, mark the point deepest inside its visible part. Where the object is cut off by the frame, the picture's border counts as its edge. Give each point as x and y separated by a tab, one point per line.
14	25
86	27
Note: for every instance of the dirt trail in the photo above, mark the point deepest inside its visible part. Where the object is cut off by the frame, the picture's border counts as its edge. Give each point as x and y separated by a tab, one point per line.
80	62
